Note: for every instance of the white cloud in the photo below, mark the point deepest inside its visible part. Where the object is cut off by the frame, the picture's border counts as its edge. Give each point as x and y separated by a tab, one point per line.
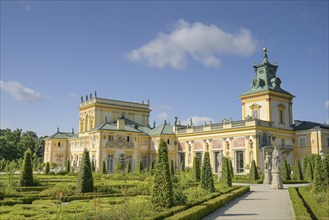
198	120
20	92
163	106
326	103
201	42
73	95
163	116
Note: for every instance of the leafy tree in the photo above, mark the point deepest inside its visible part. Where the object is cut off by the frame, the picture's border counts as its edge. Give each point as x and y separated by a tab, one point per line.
230	167
285	175
226	179
207	181
103	168
162	195
253	175
26	177
196	168
298	175
68	166
47	168
172	168
85	182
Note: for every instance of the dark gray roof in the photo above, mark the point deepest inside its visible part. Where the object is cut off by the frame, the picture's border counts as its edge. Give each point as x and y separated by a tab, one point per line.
306	125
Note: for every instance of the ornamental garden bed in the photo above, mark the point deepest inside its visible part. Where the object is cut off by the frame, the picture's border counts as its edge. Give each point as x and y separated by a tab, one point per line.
111	199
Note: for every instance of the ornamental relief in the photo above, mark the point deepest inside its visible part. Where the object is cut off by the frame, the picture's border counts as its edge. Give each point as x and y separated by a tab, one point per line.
119	142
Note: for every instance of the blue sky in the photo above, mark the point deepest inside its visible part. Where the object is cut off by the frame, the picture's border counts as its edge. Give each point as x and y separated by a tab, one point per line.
190	58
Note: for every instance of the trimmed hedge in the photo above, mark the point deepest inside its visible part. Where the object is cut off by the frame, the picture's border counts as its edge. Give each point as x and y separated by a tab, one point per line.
297	203
204	209
317	208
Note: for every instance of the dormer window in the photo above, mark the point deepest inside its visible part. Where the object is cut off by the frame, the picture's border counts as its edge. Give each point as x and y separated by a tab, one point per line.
281	108
255	109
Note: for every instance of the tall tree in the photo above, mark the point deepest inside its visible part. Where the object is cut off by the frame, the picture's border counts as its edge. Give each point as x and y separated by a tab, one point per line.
207	181
321	177
85	182
162	195
47	168
172	168
103	168
26	177
68	166
230	167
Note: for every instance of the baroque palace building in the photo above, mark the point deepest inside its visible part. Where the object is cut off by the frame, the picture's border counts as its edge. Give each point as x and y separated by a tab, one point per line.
108	128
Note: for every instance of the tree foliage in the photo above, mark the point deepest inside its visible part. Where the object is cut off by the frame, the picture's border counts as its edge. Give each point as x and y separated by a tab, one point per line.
162	195
196	169
129	169
230	167
253	175
284	169
13	144
122	160
68	166
151	168
297	175
85	182
26	177
308	169
140	167
172	168
207	181
226	179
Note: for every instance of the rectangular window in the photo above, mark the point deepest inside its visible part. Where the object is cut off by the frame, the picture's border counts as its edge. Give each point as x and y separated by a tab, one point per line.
128	138
199	155
181	158
281	116
144	141
59	144
255	113
302	141
144	162
327	141
111	137
239	161
168	141
110	163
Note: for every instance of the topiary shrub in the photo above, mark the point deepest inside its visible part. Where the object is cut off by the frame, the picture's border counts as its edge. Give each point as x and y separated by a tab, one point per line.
285	175
172	168
140	167
47	168
68	166
196	169
298	175
321	179
129	167
253	175
103	168
92	166
308	172
162	195
85	182
207	181
226	179
230	167
151	168
26	177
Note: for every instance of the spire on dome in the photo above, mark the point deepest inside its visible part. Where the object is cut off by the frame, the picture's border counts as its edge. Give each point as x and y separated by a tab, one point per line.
265	55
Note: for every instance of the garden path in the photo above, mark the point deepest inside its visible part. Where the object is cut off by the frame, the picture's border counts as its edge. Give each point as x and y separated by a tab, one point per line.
261	202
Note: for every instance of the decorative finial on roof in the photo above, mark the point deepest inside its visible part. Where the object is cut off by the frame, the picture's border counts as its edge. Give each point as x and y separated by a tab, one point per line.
265	55
81	98
95	94
176	120
72	130
105	118
154	124
165	121
57	129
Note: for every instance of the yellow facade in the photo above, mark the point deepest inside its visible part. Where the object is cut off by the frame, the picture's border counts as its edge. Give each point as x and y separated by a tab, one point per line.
109	128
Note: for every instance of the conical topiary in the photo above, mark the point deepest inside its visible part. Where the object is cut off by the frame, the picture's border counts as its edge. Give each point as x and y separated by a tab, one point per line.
196	168
226	179
151	168
129	167
207	181
26	177
85	182
92	166
298	175
321	178
47	168
103	168
230	167
253	175
284	170
172	168
308	172
162	195
68	166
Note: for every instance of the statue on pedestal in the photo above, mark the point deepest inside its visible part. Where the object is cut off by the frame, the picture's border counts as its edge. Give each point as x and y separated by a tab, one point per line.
267	161
275	159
